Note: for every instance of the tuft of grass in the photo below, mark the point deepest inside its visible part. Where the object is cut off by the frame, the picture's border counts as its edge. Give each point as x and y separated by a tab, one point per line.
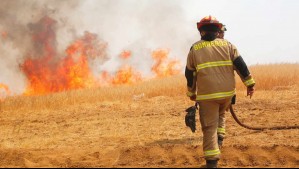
274	76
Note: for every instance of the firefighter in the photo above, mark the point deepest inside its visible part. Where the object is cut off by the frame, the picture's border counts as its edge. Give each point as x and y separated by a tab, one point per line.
210	80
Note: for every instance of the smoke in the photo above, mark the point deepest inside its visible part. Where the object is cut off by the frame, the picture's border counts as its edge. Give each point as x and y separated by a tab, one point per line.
138	26
16	18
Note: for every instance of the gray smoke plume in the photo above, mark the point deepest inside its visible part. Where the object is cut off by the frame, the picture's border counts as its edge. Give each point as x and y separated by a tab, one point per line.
16	18
137	25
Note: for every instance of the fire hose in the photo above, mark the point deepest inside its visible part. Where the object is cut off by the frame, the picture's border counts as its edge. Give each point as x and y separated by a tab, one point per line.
191	122
259	128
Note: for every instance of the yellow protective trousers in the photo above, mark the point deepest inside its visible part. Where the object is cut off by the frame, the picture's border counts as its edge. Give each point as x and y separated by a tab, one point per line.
212	119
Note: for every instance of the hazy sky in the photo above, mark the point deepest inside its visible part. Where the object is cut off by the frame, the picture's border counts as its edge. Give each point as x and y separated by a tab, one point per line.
264	31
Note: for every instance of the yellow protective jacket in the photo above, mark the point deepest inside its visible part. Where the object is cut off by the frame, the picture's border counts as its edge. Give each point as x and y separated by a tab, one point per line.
210	70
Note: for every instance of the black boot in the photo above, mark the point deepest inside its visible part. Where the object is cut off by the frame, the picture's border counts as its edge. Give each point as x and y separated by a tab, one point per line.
212	163
220	142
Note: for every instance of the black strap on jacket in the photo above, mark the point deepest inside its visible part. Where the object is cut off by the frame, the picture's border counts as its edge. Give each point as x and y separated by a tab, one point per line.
189	77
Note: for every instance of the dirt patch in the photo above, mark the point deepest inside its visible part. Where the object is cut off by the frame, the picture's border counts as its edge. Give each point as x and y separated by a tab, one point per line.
149	132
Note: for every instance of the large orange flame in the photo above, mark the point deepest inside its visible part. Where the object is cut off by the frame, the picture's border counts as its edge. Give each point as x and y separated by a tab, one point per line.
49	72
164	66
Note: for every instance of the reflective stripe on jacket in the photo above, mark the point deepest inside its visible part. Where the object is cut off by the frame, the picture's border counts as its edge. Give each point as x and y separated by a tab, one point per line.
214	63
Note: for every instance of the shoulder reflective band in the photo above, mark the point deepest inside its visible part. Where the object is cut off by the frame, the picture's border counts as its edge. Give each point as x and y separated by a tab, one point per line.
212	152
221	130
215	95
214	64
249	82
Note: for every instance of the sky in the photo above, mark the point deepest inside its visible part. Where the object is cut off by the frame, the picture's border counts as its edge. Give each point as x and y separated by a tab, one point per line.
264	31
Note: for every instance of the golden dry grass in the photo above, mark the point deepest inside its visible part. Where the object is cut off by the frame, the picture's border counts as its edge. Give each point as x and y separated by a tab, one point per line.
171	86
274	76
271	77
121	127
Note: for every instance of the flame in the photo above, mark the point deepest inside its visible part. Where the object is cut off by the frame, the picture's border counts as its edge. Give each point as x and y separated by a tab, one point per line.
6	90
78	73
126	75
126	54
50	73
4	34
164	66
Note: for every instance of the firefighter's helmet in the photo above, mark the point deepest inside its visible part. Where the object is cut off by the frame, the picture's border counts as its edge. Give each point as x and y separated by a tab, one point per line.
209	20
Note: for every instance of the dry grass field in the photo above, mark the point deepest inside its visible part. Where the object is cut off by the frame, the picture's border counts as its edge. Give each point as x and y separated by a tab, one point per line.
142	125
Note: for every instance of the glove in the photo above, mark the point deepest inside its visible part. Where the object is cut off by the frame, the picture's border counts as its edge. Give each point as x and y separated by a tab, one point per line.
190	118
250	91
